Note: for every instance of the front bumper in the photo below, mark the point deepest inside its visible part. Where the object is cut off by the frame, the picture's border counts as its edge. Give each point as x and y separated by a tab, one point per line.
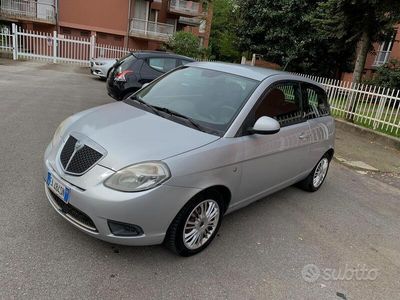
151	210
98	71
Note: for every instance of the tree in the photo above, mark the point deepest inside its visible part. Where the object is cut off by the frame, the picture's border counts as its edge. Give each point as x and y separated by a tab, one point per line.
361	22
358	22
184	43
223	36
388	75
281	31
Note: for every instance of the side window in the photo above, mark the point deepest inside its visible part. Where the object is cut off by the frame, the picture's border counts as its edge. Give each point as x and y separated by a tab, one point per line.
315	102
283	103
162	64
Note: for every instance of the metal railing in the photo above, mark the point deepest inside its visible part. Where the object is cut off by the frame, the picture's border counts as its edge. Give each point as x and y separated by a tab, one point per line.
55	48
382	57
190	21
151	30
184	7
28	10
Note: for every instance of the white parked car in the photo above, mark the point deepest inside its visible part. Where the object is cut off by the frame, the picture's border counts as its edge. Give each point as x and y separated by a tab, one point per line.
101	66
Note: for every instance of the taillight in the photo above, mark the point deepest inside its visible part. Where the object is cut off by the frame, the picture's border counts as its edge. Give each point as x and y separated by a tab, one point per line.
121	76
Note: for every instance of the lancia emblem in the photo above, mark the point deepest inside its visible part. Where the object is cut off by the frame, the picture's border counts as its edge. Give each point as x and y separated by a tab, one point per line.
78	146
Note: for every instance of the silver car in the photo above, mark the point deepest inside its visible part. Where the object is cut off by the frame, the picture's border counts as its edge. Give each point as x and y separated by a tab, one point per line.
166	164
101	67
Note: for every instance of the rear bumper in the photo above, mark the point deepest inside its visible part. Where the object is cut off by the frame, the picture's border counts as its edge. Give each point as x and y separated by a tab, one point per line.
114	91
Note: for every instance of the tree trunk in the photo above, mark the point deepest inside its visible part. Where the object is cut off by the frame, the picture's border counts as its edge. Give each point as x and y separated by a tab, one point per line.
364	46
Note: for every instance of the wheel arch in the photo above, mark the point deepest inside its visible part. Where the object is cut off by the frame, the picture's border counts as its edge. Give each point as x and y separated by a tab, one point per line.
219	191
330	153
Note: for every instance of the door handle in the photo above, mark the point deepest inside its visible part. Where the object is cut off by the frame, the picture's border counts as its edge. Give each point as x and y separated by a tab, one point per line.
304	136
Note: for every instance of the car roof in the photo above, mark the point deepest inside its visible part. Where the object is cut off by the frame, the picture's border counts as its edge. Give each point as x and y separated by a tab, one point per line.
146	54
251	72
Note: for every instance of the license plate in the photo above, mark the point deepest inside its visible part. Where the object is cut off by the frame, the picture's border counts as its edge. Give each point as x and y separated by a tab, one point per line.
58	188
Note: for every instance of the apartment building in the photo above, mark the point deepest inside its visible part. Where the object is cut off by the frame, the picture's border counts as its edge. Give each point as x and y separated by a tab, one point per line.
383	53
138	24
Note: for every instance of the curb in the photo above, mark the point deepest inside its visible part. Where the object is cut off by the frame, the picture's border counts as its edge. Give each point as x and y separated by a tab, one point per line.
382	138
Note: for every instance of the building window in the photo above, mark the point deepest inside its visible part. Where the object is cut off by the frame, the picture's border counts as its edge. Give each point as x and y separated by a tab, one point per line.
203	25
383	54
201	40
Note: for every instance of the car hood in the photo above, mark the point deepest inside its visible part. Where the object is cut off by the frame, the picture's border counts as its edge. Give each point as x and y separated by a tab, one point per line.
131	135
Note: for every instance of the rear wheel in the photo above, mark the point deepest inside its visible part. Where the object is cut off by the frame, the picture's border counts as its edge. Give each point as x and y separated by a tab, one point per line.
317	176
196	225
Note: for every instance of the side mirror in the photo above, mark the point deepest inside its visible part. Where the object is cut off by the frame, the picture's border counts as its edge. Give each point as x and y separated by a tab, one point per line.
265	125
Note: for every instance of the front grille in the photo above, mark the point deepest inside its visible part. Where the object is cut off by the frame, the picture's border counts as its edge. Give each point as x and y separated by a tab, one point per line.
81	160
74	213
67	151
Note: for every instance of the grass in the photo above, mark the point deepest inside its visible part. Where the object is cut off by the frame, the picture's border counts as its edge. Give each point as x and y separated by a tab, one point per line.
367	110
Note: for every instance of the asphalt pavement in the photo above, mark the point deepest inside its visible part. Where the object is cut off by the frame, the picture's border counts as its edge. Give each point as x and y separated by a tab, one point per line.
341	242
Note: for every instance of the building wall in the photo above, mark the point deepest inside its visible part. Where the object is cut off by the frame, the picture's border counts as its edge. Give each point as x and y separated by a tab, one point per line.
109	21
370	69
95	15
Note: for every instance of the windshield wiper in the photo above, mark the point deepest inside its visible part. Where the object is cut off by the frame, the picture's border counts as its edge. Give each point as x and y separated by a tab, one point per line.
151	107
179	115
157	109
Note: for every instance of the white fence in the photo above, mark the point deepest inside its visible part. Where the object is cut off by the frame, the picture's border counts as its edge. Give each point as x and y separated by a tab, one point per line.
367	105
56	48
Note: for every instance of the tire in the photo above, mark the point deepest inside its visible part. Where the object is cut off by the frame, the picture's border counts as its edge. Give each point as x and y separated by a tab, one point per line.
315	179
186	221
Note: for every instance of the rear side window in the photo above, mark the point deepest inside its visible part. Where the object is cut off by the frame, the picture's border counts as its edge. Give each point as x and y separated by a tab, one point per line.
283	103
162	64
125	63
315	102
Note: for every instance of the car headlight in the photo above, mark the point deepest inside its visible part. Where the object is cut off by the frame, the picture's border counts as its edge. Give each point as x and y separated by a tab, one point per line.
139	177
60	132
99	63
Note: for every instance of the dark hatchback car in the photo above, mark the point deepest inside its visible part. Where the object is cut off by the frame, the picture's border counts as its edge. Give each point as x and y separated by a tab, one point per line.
137	68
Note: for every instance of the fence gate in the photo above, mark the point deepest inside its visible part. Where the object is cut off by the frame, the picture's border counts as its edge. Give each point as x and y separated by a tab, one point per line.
54	47
50	47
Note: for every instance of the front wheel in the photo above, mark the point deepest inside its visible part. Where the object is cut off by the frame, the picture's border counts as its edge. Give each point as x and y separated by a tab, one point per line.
317	176
196	225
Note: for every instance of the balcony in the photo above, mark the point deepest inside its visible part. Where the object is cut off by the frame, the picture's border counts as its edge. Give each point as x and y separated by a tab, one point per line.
382	57
28	10
151	30
190	21
183	7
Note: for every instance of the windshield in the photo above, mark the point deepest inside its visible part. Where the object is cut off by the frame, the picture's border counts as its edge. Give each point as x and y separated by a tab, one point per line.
210	99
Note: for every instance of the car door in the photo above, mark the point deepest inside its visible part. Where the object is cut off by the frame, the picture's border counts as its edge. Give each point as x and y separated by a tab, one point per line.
274	161
155	67
317	112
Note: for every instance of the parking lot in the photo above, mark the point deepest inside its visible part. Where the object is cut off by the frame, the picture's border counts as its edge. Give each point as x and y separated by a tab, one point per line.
351	223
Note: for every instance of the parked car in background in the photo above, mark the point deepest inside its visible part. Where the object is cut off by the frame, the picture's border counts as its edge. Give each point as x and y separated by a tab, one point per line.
166	164
101	67
137	68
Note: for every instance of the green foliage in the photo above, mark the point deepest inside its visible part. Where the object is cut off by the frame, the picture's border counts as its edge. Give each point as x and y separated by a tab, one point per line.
346	20
185	43
282	32
352	23
223	34
388	75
